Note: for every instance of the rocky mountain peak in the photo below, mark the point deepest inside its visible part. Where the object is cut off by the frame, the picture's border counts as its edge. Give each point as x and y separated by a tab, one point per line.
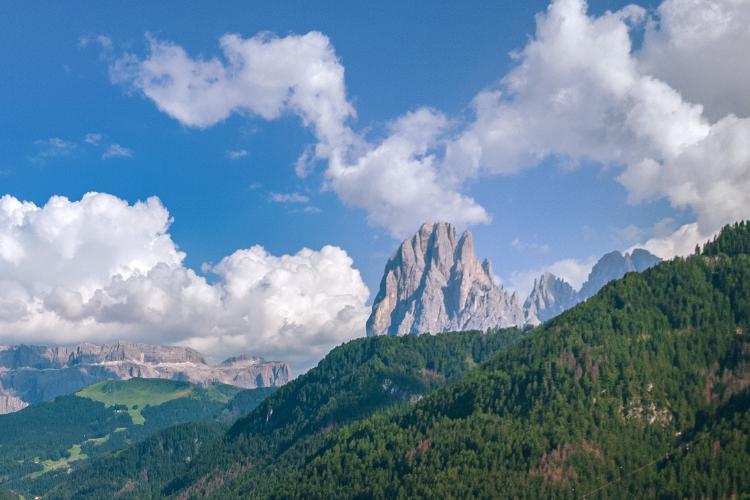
615	265
549	297
434	282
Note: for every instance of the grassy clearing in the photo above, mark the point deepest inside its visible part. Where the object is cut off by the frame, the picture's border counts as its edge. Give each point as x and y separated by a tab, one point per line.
135	394
74	454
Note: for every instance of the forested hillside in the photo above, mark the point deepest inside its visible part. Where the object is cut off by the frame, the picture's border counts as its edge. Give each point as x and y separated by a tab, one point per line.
354	381
642	391
41	444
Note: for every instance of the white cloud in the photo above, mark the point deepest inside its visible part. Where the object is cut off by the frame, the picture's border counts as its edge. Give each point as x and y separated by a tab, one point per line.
100	269
398	181
117	151
269	76
672	113
288	198
581	92
263	75
237	154
699	48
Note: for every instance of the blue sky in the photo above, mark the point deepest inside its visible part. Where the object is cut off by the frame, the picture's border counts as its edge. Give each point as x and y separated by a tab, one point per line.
397	58
68	128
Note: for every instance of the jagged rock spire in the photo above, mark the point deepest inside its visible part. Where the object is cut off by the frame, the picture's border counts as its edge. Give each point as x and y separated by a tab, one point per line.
434	282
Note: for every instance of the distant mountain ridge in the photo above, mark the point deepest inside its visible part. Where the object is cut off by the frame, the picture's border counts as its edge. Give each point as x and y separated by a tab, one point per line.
31	374
434	282
551	295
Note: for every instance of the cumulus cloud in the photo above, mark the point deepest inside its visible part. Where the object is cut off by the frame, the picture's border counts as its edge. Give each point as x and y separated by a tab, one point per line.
263	75
268	76
699	47
100	269
582	92
399	181
670	115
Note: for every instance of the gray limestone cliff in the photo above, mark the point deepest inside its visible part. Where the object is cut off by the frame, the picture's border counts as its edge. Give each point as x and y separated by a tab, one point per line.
549	297
615	265
552	295
435	283
30	374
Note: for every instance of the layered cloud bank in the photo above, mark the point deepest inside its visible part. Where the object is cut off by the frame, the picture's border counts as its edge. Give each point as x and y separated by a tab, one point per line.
101	269
670	114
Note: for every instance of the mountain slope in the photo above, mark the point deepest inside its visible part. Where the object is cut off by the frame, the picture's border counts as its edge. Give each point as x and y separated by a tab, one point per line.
32	374
53	438
641	391
355	380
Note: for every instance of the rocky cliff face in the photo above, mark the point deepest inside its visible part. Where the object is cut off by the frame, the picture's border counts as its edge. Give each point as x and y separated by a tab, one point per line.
615	265
30	374
434	283
552	295
549	297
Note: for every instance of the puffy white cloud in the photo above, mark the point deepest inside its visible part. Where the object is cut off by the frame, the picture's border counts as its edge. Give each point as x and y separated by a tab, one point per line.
699	47
263	75
399	181
101	269
581	92
671	113
395	179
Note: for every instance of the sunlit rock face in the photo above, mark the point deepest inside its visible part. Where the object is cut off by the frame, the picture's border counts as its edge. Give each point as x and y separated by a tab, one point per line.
549	297
435	283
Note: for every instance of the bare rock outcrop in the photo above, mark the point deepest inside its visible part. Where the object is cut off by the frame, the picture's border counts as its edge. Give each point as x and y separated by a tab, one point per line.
435	283
552	295
30	374
549	297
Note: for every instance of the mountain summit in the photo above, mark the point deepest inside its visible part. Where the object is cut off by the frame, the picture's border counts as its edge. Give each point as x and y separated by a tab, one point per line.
434	282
